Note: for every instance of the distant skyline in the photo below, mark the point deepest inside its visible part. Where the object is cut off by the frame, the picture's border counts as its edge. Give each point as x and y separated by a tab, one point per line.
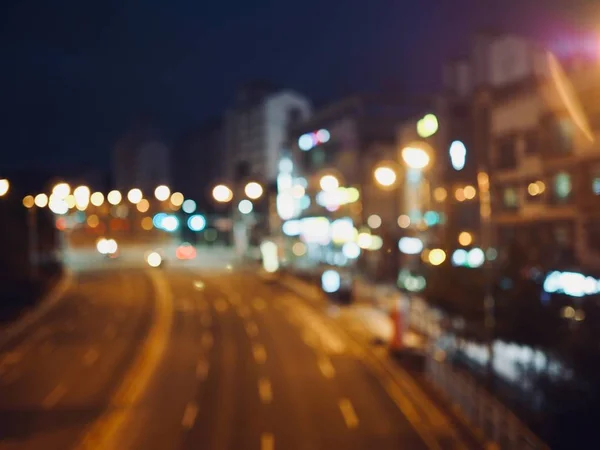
75	75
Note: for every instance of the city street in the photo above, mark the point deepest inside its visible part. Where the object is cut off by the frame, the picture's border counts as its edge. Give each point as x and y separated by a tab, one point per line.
184	359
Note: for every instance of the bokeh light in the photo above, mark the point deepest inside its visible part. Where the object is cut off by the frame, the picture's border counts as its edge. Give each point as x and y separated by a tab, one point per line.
222	193
146	223
143	205
114	197
97	199
189	206
245	207
404	221
437	256
41	200
4	186
177	199
162	193
253	190
385	176
374	221
61	190
135	196
465	238
28	201
329	183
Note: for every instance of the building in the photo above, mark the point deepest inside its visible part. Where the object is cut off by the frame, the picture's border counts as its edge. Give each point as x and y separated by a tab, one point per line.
141	160
255	129
332	156
198	162
545	160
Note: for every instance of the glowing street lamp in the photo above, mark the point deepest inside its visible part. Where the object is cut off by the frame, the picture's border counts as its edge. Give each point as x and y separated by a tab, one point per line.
82	197
385	176
329	183
135	196
222	194
97	199
4	187
415	158
61	190
41	200
162	193
28	201
114	197
253	190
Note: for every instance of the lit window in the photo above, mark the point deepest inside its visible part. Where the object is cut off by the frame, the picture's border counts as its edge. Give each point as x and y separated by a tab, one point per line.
511	199
562	186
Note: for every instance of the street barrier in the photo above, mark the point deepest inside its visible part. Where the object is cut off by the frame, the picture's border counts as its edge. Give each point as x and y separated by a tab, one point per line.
478	408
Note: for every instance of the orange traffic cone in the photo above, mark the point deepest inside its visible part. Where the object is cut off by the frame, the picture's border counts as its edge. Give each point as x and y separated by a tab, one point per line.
397	342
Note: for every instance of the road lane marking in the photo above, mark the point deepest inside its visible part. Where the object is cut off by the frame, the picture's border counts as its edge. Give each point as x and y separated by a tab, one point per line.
264	390
202	369
260	354
206	319
259	304
199	285
110	331
54	397
106	430
326	367
267	441
207	340
348	413
90	357
252	329
189	416
221	305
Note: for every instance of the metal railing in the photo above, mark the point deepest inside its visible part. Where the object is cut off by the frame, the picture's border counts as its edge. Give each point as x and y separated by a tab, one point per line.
495	421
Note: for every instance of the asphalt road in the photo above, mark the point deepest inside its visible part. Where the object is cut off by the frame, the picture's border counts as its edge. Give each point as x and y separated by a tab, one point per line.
186	359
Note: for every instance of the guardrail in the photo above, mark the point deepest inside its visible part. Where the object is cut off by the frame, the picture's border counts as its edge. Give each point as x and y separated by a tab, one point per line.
494	421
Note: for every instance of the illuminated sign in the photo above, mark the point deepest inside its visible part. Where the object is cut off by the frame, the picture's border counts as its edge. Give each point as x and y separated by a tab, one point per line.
410	245
427	126
308	141
573	284
458	155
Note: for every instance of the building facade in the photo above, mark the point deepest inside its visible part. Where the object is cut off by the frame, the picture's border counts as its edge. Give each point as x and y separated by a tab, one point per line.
255	130
141	160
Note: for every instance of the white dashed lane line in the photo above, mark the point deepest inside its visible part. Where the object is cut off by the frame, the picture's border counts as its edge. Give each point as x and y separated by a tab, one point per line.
326	367
54	397
348	413
90	357
264	390
259	353
267	441
202	369
252	329
207	340
189	416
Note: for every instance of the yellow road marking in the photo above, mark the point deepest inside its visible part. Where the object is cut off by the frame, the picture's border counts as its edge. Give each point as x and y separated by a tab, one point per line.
264	390
260	354
267	441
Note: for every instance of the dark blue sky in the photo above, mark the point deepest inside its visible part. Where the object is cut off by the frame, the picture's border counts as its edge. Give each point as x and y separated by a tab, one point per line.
75	74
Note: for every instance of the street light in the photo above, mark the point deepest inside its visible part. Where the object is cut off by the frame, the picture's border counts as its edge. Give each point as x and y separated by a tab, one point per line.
41	200
385	176
177	199
415	158
222	194
61	190
97	199
82	197
135	196
162	193
4	187
329	183
114	197
253	190
28	201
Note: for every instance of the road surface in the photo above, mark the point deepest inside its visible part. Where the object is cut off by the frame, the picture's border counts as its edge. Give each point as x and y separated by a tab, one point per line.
187	359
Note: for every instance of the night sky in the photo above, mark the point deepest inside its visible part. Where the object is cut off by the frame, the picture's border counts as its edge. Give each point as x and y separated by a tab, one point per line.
75	74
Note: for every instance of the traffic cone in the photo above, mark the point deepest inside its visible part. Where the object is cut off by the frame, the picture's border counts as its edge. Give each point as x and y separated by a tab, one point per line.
397	342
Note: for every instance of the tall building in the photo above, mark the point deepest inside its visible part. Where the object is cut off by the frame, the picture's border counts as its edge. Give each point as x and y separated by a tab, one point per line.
141	160
198	161
255	129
